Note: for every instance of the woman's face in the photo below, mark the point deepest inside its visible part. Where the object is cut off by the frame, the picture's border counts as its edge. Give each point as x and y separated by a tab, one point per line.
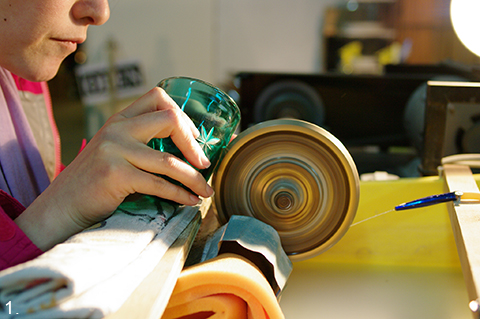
36	35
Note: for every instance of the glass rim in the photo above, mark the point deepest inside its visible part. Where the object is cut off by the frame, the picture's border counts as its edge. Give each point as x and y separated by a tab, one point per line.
208	84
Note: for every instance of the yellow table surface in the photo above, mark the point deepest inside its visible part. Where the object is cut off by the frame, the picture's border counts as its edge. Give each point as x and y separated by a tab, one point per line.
403	264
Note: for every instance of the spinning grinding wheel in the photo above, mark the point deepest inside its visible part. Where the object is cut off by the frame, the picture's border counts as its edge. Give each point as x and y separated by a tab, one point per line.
294	176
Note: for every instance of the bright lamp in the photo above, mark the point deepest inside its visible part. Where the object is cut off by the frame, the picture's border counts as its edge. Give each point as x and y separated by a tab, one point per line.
466	23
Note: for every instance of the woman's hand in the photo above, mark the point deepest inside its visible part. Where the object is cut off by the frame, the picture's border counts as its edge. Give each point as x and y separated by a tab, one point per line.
116	163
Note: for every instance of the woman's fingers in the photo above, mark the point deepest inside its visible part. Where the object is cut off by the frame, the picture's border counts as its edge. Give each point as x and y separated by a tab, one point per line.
156	115
162	124
156	100
157	186
189	121
165	164
123	164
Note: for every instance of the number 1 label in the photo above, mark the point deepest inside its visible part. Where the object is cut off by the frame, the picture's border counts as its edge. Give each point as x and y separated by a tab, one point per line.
9	304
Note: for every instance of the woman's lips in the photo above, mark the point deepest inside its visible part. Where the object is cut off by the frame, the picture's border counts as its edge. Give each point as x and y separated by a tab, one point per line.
69	44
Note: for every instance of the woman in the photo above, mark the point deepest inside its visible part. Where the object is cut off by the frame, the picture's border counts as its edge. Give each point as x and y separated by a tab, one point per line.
37	212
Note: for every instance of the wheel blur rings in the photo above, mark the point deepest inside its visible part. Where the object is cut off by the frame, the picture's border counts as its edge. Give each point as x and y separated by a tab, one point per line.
294	176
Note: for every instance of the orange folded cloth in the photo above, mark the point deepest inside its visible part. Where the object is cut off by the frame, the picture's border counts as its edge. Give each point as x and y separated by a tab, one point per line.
228	286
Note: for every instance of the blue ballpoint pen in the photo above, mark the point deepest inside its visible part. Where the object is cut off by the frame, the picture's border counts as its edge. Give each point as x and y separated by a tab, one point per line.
431	200
468	197
457	196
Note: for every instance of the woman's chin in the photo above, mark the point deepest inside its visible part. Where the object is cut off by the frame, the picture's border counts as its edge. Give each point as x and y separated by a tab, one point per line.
38	73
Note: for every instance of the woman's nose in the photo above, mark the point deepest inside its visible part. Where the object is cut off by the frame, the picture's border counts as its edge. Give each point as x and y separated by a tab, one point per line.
95	12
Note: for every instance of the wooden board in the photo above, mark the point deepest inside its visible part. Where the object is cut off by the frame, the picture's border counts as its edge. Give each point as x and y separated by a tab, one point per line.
465	220
150	298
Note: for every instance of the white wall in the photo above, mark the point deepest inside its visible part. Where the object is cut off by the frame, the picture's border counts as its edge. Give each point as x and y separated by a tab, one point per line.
270	35
212	39
170	37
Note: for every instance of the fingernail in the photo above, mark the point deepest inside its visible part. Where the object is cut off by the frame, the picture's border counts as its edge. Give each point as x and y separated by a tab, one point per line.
210	190
195	199
196	132
205	161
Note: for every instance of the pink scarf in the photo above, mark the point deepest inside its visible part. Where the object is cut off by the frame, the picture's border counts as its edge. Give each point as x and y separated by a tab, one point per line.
22	173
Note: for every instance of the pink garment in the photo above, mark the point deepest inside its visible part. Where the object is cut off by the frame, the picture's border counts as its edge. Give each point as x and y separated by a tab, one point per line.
22	173
15	246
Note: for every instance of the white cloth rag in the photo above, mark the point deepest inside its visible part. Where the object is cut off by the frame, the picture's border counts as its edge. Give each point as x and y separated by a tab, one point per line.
92	273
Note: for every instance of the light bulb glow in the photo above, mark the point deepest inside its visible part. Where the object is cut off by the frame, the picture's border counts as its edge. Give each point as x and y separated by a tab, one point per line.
464	15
